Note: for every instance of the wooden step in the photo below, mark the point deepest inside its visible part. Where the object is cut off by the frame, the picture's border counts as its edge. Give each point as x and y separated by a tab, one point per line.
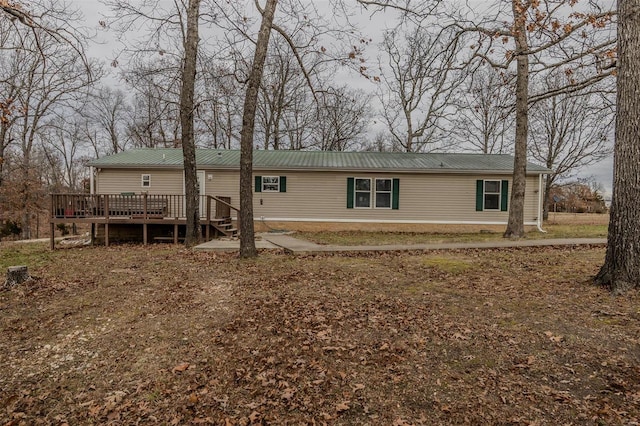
220	219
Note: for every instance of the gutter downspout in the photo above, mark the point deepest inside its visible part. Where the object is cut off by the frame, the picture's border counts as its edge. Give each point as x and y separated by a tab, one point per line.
540	212
91	180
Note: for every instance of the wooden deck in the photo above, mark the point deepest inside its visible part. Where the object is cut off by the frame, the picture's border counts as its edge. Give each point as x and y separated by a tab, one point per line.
161	211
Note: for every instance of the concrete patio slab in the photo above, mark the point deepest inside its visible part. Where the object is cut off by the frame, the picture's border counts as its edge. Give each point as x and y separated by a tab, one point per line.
231	245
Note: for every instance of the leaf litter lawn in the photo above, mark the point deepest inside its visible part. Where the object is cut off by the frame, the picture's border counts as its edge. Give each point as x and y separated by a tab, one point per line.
162	335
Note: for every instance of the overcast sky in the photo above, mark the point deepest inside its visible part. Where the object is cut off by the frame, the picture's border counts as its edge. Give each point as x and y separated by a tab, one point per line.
105	48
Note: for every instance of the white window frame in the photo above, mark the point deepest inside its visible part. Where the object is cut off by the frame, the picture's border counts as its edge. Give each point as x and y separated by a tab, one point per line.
390	192
276	182
147	180
484	194
356	191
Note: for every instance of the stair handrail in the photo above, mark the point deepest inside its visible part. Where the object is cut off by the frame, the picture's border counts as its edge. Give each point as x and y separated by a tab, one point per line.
224	202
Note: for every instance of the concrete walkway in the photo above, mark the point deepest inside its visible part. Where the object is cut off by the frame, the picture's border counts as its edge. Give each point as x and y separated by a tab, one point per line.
297	246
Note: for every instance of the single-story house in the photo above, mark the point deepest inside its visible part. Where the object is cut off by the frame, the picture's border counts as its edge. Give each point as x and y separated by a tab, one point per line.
322	186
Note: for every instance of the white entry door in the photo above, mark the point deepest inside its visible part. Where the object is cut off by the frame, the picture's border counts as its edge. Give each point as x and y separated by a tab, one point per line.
201	185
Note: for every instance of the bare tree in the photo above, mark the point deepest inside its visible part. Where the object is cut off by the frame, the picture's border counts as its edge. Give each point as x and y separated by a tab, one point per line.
568	132
187	110
107	114
219	112
50	76
282	86
418	91
154	120
173	32
532	36
539	37
621	269
483	121
64	147
247	239
342	119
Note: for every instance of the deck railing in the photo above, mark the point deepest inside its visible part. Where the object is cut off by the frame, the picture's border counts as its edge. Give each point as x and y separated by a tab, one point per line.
135	206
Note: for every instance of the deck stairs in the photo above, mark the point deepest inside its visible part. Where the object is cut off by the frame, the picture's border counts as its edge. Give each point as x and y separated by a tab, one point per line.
224	227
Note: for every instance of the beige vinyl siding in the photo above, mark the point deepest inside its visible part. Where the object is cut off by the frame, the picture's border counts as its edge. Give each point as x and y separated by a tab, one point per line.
115	181
322	196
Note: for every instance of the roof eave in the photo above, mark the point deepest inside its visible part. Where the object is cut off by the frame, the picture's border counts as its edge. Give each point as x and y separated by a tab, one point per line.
320	169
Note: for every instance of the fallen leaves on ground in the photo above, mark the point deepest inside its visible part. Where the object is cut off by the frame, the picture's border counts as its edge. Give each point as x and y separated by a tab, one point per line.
517	336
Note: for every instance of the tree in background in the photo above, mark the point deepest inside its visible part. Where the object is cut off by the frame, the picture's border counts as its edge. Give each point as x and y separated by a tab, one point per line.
569	131
220	109
621	269
343	116
107	115
537	37
484	111
418	89
283	93
172	32
44	78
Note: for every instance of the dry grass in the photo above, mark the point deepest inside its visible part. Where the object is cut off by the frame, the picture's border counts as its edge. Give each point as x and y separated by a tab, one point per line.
554	219
161	335
560	225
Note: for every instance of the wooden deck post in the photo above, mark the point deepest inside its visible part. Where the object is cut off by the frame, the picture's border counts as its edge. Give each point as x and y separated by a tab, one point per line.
53	236
175	233
144	233
106	223
208	229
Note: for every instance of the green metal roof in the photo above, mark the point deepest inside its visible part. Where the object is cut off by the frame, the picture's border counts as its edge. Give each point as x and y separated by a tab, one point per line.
318	160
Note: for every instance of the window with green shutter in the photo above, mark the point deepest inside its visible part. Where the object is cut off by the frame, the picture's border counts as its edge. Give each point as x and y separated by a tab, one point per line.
379	193
395	202
492	195
350	193
504	196
271	183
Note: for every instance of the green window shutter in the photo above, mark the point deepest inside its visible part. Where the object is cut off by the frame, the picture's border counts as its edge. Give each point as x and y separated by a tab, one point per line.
395	201
258	183
479	195
504	196
283	184
351	182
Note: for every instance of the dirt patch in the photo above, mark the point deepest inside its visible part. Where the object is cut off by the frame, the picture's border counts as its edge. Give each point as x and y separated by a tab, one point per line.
161	335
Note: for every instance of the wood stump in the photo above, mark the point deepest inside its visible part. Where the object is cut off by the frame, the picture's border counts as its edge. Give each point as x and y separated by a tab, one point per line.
16	275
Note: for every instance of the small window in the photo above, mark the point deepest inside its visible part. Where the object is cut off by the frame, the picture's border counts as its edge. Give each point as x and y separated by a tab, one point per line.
491	195
146	181
363	193
270	184
383	193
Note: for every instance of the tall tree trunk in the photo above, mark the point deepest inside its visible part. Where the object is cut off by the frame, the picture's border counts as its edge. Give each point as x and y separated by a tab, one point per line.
621	269
192	193
515	226
247	239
